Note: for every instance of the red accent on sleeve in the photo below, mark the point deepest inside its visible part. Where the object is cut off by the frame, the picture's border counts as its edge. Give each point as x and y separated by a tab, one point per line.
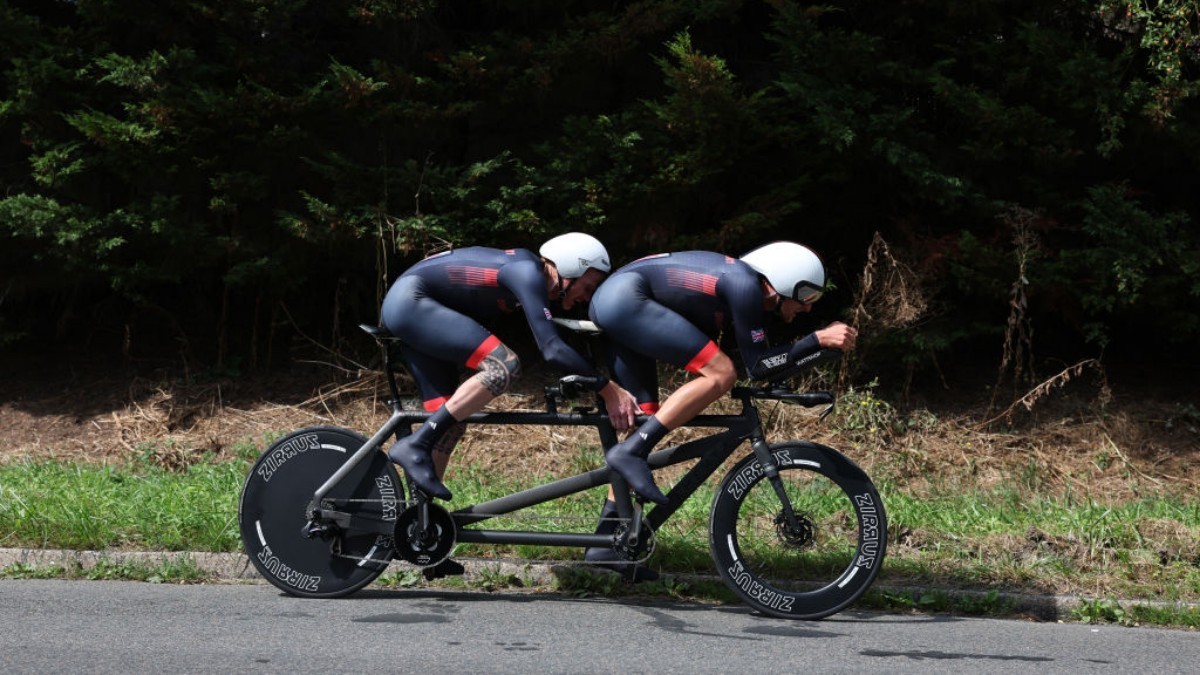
482	351
699	360
433	404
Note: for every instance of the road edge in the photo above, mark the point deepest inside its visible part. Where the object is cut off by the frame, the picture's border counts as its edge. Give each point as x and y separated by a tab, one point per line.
535	576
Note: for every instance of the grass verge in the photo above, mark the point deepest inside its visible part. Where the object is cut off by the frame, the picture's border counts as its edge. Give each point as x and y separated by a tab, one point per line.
1133	562
139	506
182	569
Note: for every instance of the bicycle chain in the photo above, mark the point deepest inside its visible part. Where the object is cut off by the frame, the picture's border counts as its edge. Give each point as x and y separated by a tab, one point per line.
407	504
528	561
515	561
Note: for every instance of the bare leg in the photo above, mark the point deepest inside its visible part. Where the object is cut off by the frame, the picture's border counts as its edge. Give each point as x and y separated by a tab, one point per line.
416	452
717	377
628	458
496	374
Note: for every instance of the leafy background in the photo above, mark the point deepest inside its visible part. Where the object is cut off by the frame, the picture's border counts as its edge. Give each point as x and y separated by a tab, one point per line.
206	180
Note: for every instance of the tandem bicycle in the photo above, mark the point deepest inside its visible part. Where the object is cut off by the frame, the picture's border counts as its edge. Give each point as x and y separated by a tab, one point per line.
796	529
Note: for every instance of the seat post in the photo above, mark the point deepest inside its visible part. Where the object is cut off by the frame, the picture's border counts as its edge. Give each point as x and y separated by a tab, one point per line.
387	342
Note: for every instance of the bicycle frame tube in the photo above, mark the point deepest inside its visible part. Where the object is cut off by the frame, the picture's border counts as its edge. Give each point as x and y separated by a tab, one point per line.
409	417
711	450
398	417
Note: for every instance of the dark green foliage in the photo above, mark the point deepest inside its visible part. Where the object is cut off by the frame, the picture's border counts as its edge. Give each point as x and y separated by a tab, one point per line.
203	173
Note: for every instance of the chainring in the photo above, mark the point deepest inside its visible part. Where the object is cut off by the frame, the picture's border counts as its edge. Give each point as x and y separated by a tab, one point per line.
425	546
639	553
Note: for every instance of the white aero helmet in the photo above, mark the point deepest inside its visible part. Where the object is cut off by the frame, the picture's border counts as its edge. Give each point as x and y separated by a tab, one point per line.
574	252
795	271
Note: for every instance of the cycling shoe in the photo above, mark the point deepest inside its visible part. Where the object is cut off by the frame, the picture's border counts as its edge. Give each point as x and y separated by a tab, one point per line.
446	568
608	559
418	463
629	460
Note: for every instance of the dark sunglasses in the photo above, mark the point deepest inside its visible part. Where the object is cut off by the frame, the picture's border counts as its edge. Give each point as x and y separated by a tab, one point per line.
807	293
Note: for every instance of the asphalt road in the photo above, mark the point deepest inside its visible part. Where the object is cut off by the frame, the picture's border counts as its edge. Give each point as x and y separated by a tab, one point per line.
110	627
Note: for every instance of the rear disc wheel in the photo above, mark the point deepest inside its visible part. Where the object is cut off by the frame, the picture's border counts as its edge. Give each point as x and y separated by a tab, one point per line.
273	514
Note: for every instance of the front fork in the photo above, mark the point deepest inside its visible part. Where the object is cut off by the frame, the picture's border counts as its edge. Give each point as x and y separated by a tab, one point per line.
762	452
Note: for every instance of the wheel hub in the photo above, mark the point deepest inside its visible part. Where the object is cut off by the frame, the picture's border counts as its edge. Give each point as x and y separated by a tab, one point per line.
802	534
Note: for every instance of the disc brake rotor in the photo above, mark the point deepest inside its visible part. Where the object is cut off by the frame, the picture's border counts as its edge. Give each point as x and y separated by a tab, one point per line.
797	537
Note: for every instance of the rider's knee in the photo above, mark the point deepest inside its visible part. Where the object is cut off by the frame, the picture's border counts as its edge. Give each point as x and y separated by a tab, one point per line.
499	369
721	372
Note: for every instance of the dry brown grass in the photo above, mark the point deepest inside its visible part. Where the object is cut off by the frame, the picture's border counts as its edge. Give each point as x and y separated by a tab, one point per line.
1072	447
1110	448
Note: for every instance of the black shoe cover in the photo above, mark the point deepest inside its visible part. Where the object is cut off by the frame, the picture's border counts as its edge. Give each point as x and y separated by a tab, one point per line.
626	459
609	560
418	463
446	568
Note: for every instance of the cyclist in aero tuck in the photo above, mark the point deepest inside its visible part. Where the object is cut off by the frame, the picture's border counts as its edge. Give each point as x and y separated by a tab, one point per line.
433	309
671	307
